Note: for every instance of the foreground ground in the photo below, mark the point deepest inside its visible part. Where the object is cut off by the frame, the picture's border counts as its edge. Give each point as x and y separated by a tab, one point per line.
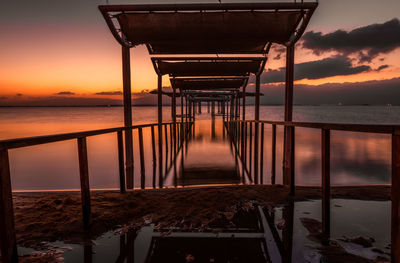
57	216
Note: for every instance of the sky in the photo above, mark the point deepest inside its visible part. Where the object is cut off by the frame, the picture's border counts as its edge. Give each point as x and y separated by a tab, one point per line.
57	52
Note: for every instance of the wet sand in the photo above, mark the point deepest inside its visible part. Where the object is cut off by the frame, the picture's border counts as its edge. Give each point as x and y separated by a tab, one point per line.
51	216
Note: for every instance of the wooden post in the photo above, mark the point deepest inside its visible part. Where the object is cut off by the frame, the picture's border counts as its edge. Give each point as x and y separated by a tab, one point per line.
262	155
142	166
250	147
288	114
121	162
395	235
288	178
256	127
8	240
160	142
326	184
257	99
126	75
153	147
181	105
199	107
231	110
84	176
273	154
173	105
166	148
244	104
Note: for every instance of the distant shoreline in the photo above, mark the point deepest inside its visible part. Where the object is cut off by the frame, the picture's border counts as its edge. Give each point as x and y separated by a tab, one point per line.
154	105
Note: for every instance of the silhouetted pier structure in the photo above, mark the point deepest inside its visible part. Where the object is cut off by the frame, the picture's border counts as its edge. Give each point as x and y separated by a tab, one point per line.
199	29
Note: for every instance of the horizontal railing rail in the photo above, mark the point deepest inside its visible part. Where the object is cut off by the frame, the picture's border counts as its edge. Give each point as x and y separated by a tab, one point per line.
43	139
369	128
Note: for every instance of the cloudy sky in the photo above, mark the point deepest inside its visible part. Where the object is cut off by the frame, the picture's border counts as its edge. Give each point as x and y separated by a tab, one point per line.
57	52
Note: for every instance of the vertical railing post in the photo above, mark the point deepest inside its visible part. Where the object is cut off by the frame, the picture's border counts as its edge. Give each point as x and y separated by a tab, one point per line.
142	166
289	160
250	147
256	132
121	162
160	156
84	178
395	229
8	240
153	147
326	183
273	154
262	155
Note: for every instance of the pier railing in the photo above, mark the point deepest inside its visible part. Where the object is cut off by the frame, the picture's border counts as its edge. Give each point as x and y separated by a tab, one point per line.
242	133
177	135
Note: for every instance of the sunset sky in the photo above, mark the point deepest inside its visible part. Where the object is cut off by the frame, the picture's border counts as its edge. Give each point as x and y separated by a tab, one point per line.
55	52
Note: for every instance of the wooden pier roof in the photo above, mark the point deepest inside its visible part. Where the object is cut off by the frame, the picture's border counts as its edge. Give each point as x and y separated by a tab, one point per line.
224	28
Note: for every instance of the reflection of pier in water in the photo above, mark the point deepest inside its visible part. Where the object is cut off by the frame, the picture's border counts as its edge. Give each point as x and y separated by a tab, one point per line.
255	238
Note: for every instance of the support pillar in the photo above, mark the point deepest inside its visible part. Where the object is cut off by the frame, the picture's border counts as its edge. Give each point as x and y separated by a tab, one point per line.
160	132
288	158
126	76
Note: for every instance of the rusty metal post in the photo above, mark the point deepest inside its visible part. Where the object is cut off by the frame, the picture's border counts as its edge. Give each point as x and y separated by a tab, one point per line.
126	76
8	240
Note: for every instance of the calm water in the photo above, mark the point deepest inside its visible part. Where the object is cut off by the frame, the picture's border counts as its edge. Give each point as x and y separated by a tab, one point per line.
208	157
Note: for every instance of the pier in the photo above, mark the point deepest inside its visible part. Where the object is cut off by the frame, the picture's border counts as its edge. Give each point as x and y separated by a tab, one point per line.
214	86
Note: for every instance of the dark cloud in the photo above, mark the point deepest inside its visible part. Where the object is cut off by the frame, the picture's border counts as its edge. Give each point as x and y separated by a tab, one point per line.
382	67
65	93
19	94
109	93
368	41
328	67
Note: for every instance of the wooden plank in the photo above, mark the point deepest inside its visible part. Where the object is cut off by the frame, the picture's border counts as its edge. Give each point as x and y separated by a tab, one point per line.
121	162
8	240
142	160
84	178
326	184
153	147
262	155
273	154
395	221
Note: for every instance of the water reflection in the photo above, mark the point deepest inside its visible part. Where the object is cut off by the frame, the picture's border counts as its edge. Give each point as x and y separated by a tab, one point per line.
264	234
204	156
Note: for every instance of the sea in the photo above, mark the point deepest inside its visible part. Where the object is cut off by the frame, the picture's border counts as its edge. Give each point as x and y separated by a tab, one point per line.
356	158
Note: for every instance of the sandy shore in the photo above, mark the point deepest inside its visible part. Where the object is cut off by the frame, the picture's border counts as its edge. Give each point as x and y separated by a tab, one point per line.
51	216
